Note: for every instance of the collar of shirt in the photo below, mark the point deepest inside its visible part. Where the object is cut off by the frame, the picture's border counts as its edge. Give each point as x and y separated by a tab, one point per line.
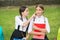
24	19
40	16
39	19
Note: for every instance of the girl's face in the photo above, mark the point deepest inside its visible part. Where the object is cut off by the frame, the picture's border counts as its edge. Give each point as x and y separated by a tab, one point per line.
26	12
39	11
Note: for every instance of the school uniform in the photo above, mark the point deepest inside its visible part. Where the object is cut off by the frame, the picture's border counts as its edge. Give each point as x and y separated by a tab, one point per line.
40	22
19	21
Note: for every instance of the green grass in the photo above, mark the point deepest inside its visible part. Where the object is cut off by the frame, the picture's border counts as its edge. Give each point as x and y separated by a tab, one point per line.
7	19
58	36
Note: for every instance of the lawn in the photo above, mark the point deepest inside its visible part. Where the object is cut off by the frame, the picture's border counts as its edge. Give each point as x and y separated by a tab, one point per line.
7	19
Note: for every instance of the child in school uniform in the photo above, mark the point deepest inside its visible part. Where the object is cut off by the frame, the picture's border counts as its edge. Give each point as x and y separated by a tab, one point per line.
39	25
22	21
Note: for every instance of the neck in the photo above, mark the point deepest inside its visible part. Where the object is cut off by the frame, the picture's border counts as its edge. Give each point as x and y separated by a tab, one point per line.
39	15
23	16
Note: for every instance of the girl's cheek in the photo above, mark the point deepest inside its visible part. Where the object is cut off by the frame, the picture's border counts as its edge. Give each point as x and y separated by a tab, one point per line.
40	11
27	14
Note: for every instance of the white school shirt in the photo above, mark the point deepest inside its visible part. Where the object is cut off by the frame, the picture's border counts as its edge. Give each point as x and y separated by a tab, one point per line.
41	21
18	21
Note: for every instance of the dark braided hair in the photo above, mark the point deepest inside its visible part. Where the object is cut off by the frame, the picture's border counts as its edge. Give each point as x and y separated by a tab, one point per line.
22	9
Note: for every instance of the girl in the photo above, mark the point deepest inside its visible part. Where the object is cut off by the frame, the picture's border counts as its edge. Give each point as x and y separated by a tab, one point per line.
39	25
22	21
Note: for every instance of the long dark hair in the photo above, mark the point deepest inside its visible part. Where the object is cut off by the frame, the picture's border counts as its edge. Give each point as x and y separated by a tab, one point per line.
22	9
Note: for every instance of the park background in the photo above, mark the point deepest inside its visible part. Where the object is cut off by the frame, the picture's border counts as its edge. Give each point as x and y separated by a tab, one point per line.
10	8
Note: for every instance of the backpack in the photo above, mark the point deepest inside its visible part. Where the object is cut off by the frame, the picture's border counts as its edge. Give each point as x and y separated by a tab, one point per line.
18	34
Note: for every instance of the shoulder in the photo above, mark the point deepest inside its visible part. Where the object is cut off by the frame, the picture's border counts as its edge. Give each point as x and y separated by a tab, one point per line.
45	18
17	16
31	20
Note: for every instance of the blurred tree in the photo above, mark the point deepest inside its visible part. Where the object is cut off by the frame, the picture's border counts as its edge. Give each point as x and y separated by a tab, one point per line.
27	2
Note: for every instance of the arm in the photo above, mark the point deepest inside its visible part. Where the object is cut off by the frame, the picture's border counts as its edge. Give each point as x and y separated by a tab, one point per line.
42	30
47	26
27	37
30	30
36	33
46	30
27	22
23	24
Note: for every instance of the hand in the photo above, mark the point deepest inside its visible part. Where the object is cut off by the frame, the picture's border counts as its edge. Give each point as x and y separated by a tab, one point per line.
44	30
27	37
42	33
33	15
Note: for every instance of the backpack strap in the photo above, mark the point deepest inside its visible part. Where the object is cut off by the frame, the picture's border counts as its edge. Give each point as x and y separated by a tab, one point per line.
27	27
44	20
19	25
34	19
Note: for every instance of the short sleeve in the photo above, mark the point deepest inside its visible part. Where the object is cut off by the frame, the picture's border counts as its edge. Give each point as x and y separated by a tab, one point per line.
18	21
47	25
30	26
